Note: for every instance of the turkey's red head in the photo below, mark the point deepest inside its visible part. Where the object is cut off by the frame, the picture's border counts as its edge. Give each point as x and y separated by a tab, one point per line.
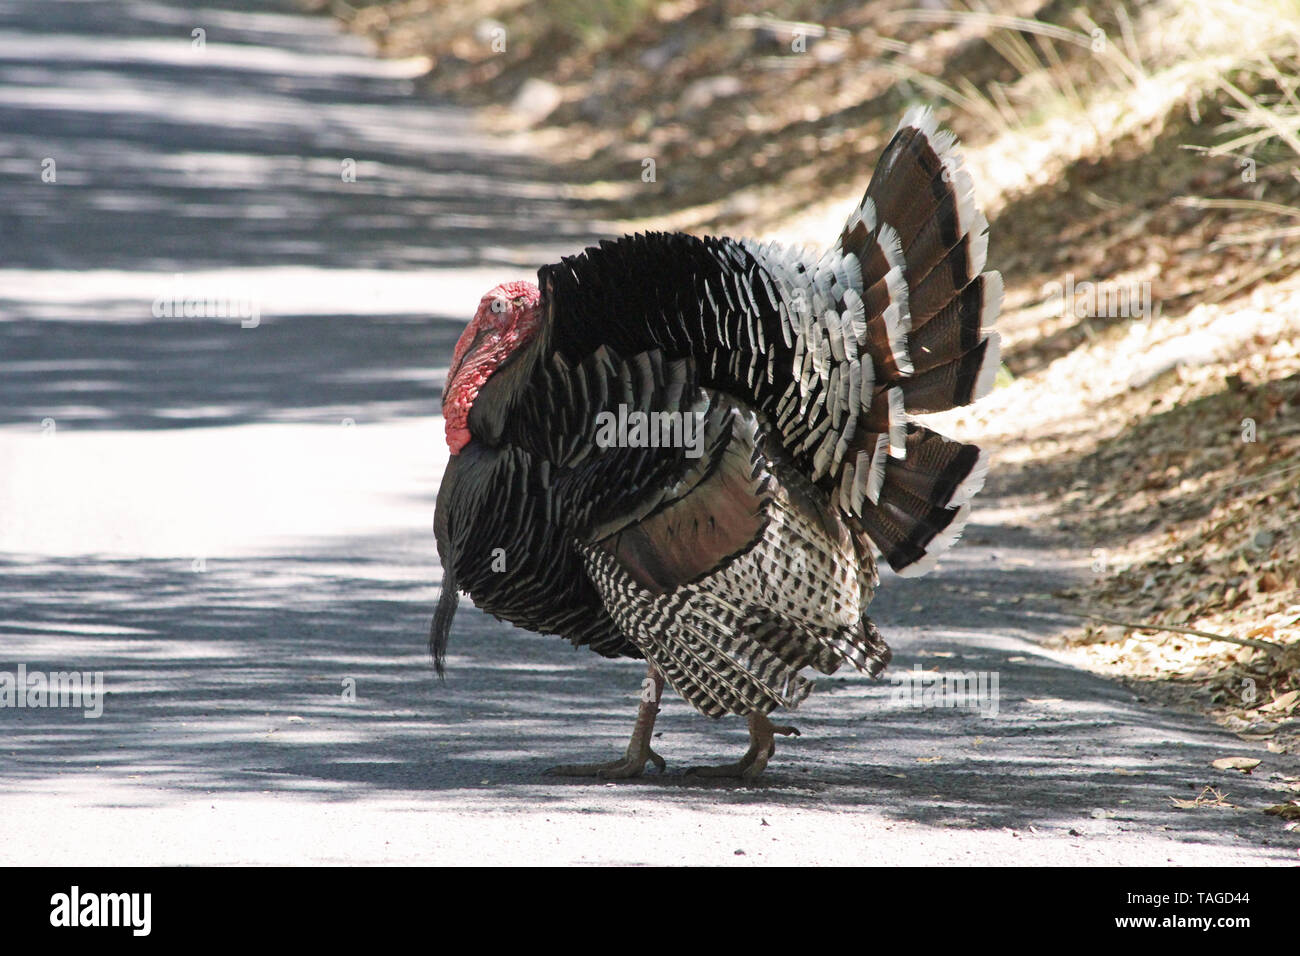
507	318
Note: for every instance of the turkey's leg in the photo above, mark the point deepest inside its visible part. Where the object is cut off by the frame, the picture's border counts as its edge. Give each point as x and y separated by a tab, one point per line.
638	748
762	744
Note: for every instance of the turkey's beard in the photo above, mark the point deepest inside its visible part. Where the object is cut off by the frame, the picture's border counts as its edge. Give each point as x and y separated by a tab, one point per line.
440	626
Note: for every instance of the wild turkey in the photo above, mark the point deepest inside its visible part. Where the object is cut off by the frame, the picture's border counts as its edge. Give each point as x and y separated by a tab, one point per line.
689	450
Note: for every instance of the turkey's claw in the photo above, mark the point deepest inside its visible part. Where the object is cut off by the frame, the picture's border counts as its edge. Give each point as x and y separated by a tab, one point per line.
632	765
638	748
762	745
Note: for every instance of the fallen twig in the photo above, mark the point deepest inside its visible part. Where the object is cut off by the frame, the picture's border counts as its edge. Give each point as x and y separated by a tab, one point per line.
1276	650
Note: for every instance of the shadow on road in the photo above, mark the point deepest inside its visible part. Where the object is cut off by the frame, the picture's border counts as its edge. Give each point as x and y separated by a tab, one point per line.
234	680
170	157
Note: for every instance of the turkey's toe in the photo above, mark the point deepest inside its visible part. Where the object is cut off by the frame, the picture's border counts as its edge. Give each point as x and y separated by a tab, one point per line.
758	764
762	745
625	768
660	764
746	768
733	771
586	769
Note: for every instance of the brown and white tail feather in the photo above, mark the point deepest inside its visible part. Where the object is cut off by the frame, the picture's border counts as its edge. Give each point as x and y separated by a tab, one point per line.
929	310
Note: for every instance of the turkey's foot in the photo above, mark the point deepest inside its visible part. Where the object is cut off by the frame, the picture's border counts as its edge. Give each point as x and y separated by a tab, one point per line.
639	751
762	745
632	765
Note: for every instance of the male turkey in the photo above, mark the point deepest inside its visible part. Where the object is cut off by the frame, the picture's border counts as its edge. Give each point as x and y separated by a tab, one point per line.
689	450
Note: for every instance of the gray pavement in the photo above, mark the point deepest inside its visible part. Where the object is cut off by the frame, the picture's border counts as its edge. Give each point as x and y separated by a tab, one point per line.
233	524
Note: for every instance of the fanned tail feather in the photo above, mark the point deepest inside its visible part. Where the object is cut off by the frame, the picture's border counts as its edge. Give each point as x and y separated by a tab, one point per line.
929	337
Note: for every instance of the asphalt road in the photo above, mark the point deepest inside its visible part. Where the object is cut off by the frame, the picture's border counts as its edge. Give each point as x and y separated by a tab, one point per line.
232	524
